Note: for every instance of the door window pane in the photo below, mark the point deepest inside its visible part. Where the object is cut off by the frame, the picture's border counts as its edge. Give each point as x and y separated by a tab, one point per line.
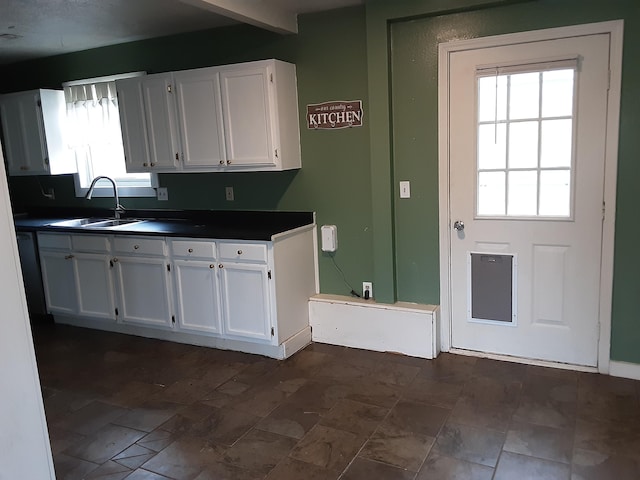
491	193
492	146
557	138
524	95
523	145
557	93
523	193
555	190
525	150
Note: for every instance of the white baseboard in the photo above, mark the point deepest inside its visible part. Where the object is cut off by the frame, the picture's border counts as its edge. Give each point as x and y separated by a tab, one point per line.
407	328
624	369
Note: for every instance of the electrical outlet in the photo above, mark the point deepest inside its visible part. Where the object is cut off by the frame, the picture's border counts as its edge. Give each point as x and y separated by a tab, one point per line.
367	287
228	193
162	194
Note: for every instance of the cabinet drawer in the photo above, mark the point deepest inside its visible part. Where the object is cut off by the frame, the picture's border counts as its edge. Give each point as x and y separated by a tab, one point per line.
90	243
243	252
140	245
54	240
191	248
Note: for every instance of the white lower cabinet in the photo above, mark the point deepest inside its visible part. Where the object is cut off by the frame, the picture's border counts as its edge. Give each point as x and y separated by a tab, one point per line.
245	301
58	278
207	292
142	273
197	298
94	285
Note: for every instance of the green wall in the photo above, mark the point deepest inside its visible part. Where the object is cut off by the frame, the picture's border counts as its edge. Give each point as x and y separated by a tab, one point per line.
386	55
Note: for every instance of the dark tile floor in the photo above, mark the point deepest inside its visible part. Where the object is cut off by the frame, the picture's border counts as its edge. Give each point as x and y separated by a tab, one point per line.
126	407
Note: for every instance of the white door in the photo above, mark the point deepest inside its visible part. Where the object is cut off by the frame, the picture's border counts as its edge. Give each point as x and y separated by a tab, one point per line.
246	107
200	118
527	148
143	291
94	286
59	281
162	131
245	301
197	295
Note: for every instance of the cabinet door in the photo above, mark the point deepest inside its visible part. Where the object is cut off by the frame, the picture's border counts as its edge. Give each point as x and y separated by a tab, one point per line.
245	301
197	295
247	113
143	291
132	124
95	285
59	281
200	118
23	131
162	134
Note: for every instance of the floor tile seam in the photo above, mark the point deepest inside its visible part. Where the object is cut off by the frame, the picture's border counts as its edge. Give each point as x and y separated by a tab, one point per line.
379	462
435	439
636	458
569	465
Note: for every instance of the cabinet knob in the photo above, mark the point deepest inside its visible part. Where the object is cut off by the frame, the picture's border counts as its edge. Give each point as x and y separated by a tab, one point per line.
177	156
46	160
221	162
68	257
136	247
145	164
115	260
220	266
228	162
190	250
239	252
211	265
152	164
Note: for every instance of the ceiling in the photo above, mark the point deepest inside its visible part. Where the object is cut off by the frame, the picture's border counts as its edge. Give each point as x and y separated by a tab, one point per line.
32	29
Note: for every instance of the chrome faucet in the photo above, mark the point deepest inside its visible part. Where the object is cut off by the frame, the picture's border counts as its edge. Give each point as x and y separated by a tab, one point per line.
119	208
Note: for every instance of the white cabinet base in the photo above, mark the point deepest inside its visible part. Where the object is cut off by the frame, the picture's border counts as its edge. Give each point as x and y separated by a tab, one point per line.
280	352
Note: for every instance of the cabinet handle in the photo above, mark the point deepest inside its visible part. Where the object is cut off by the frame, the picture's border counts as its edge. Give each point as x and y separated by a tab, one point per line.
136	247
220	266
239	252
177	156
190	250
24	168
68	257
46	160
211	265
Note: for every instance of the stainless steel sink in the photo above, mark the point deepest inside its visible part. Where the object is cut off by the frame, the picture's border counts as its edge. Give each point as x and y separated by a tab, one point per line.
78	222
90	223
115	222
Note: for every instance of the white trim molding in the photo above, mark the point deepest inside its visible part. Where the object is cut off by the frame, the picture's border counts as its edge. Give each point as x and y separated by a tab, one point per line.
615	31
624	369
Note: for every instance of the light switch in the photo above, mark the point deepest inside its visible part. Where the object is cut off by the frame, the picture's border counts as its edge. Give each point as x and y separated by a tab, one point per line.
405	189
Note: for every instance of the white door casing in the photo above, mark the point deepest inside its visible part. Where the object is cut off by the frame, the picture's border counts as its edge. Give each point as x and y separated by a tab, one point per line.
544	327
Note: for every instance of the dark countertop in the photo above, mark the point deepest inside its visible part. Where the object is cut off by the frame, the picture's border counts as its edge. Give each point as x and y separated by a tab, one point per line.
215	224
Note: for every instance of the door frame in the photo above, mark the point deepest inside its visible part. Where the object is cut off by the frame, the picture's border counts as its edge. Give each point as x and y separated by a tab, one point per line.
615	31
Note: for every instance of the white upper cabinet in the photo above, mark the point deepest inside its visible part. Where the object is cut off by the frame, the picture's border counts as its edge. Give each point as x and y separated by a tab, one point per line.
260	111
197	94
240	117
33	133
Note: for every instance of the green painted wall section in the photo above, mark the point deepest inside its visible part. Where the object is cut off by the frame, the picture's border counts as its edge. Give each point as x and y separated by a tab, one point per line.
335	178
413	30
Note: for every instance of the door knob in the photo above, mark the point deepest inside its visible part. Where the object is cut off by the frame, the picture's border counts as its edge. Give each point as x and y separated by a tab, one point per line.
458	225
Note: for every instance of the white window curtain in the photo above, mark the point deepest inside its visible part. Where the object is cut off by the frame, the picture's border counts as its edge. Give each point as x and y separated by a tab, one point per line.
94	130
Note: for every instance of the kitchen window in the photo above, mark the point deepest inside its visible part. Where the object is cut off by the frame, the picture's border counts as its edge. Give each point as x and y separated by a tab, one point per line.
95	139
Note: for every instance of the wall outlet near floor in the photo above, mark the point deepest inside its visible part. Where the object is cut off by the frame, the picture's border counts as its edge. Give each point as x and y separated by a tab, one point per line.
162	194
228	193
367	290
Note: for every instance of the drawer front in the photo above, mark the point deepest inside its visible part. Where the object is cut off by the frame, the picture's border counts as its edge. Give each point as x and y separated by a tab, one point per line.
90	243
243	252
191	248
54	240
140	245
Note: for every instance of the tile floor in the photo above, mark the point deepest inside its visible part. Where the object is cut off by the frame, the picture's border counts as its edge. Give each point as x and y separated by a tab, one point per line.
126	407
